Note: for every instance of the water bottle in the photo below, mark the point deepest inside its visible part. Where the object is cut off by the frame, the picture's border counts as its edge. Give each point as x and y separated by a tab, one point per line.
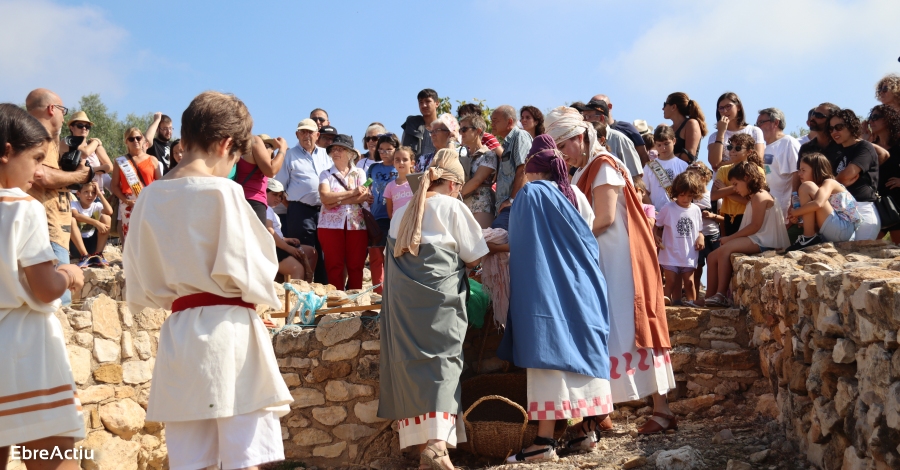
795	203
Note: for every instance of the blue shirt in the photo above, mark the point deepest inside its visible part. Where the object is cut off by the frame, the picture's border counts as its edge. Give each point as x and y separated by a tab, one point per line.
515	148
300	174
381	175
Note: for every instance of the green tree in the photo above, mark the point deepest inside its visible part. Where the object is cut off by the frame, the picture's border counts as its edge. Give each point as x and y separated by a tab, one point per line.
800	132
107	126
486	111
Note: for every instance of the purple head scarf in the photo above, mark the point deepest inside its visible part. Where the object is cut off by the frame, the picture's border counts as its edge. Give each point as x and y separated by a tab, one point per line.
544	157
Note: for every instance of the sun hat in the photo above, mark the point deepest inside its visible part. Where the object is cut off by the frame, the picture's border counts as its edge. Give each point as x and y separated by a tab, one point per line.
268	140
308	125
343	140
642	126
274	186
80	116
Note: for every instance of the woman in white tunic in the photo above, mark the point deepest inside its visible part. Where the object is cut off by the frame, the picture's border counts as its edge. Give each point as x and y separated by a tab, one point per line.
216	384
638	339
39	410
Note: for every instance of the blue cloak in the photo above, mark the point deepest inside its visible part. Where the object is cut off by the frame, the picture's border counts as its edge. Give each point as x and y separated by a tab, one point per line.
558	309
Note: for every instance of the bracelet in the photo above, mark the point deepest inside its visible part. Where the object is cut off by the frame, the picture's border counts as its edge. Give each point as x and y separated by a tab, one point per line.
719	142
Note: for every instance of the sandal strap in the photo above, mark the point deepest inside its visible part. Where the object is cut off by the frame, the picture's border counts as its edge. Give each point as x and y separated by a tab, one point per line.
522	455
577	440
664	416
545	441
436	453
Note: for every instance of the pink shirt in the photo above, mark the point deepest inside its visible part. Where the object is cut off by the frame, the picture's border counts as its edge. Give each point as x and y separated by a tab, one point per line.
398	194
253	182
349	214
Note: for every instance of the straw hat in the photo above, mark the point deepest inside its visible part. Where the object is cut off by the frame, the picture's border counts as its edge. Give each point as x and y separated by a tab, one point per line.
268	140
80	116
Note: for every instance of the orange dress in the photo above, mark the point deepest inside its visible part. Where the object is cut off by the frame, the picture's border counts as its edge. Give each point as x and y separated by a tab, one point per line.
146	171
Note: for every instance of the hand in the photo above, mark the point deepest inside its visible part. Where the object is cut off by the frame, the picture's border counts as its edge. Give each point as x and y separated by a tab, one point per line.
103	228
893	183
370	199
724	240
790	212
292	241
76	276
296	252
658	240
700	243
282	145
722	126
504	205
129	202
157	116
718	184
708	215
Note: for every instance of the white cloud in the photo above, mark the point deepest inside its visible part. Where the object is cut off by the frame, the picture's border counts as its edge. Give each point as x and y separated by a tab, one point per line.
73	50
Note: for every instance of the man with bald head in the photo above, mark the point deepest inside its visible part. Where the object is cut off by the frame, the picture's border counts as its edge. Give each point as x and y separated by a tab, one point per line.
511	173
51	188
626	128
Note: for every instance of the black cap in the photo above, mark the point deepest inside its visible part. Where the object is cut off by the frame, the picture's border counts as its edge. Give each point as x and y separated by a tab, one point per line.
328	130
598	105
342	140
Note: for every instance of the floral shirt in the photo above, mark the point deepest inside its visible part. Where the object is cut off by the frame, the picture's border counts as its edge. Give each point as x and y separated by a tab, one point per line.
344	214
844	205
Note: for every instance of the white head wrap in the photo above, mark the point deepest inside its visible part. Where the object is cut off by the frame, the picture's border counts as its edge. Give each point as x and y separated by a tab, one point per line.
452	125
563	123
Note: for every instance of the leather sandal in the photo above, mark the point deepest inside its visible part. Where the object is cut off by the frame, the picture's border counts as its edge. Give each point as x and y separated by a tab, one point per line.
653	427
588	441
432	456
606	424
547	454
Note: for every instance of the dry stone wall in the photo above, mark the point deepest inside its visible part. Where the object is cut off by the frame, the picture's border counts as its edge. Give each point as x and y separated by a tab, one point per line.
825	321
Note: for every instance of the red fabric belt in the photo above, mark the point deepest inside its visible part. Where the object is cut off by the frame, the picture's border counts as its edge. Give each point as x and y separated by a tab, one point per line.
205	299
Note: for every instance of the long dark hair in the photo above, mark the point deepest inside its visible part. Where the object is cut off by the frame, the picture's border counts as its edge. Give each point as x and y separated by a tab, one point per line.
690	108
538	118
749	173
892	117
19	129
733	97
821	167
851	120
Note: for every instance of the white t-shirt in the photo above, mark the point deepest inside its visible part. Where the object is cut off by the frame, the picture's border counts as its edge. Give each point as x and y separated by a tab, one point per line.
93	211
781	163
752	130
804	139
682	228
658	195
448	223
276	222
710	226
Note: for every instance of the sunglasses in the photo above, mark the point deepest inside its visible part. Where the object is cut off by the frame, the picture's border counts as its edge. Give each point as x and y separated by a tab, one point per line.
838	127
319	119
136	138
386	151
439	130
82	126
371	138
883	89
465	128
818	115
737	148
875	117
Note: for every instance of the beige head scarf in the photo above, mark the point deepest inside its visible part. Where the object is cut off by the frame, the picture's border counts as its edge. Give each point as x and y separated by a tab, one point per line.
444	166
563	123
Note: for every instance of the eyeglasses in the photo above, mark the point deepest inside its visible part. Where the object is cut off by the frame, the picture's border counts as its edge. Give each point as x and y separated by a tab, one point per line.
875	117
82	126
465	128
760	123
439	130
883	89
319	119
818	115
386	151
737	148
62	108
725	107
371	138
135	139
838	127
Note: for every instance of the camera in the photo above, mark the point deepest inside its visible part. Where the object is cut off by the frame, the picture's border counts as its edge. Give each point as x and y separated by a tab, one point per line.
71	160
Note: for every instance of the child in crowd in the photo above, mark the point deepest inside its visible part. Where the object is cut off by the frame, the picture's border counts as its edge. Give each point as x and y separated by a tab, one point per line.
397	193
649	209
293	258
37	390
193	249
762	228
381	174
650	144
662	171
679	239
831	213
710	226
93	215
741	147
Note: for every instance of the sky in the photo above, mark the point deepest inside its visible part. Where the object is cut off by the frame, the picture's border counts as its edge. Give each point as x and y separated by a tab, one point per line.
366	61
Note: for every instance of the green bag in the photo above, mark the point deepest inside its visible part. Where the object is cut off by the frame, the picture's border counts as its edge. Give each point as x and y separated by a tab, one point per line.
477	304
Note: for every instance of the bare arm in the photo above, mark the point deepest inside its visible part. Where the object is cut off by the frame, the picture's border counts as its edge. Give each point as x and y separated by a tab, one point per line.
883	154
519	182
849	175
151	130
642	152
474	263
477	180
390	207
157	173
331	199
48	283
605	198
54	178
817	202
114	185
716	149
105	163
759	214
692	137
107	208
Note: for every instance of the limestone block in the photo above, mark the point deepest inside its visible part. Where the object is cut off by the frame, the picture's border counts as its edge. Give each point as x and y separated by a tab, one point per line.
369	367
680	357
95	394
682	319
867	331
151	318
125	315
767	406
683	458
334	328
105	316
734	360
123	418
125	392
338	390
79	319
683	407
331	452
853	461
342	352
844	351
724	345
297	421
720	333
116	454
108	373
306	397
827	414
83	339
892	406
352	432
137	372
330	415
287	343
80	359
291	380
373	345
311	437
874	370
106	350
737	465
847	393
127	345
142	344
367	412
824	373
828	322
294	362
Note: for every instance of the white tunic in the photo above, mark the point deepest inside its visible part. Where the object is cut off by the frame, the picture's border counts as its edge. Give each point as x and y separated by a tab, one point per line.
195	235
37	391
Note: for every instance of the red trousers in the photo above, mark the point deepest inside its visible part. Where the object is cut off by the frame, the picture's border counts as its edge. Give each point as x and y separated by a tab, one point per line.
376	266
344	248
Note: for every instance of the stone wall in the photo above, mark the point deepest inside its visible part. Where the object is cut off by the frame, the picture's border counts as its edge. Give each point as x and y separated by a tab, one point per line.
825	321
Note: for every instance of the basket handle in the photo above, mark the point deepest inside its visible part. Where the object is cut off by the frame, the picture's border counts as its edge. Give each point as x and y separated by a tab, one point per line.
497	397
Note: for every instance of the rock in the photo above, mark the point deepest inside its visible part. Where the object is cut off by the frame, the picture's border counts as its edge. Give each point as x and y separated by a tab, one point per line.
844	351
95	394
330	452
342	352
334	328
127	345
80	360
123	418
719	333
115	454
151	318
311	437
105	316
108	373
286	343
306	397
828	416
352	432
367	412
79	319
330	415
737	465
294	362
137	372
829	322
767	406
125	315
125	392
760	456
106	350
683	458
683	407
142	345
338	390
892	406
297	421
634	462
371	345
369	367
853	461
291	380
85	340
724	435
874	371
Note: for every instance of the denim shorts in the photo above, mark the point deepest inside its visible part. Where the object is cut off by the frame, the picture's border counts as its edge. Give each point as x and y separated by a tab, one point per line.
836	229
62	255
677	269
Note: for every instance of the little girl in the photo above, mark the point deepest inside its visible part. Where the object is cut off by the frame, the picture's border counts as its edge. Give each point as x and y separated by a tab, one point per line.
762	229
710	227
397	193
38	407
679	239
835	216
741	148
649	209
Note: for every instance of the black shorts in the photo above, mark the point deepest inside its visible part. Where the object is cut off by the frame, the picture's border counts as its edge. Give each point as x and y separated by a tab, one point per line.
281	254
90	244
710	243
732	225
259	209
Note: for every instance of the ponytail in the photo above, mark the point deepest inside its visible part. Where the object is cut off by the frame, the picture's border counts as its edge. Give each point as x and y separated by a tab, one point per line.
694	112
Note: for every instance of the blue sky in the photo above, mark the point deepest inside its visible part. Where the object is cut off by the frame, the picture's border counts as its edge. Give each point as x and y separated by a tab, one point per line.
365	61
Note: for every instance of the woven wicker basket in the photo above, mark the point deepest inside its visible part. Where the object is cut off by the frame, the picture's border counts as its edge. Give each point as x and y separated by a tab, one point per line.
496	429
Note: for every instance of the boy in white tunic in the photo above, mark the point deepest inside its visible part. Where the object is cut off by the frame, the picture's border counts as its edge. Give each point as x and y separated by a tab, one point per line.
38	406
197	248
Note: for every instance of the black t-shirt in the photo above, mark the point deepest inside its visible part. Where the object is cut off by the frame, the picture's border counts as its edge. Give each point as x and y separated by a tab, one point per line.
863	155
162	150
630	131
832	152
890	169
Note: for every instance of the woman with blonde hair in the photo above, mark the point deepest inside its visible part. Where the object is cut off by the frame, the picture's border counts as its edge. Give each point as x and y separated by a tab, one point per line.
132	172
638	331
